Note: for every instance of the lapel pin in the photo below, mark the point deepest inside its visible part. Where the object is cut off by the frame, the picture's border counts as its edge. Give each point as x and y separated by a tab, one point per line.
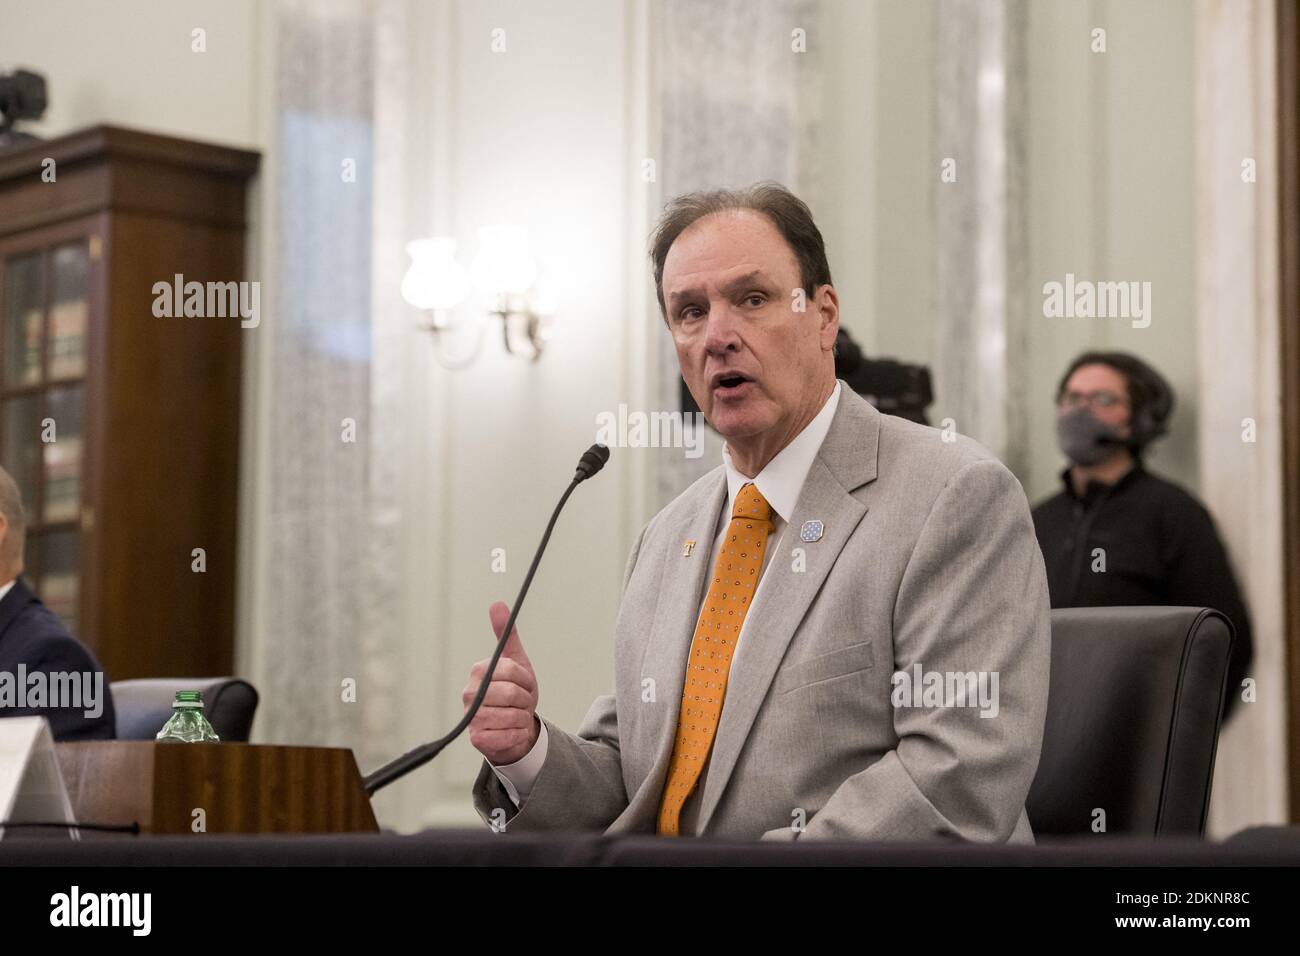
811	531
687	548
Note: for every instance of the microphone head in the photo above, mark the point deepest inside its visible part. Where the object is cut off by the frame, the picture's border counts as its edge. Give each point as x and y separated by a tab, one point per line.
592	460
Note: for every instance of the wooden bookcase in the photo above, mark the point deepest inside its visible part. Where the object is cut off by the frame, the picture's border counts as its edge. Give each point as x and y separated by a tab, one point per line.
122	427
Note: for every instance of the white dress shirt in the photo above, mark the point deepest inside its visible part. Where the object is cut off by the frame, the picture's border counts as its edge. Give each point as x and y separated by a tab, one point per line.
780	482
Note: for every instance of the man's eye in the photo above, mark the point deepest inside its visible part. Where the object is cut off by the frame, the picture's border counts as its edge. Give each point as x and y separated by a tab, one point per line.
686	313
756	295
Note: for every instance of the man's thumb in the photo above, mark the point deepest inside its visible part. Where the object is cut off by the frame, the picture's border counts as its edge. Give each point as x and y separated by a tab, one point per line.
500	614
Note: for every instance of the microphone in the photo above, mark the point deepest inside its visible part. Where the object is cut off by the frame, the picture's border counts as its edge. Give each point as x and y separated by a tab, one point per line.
593	459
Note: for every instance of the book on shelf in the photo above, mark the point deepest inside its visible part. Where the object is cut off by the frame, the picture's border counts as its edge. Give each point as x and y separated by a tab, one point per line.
63	479
68	339
24	365
59	592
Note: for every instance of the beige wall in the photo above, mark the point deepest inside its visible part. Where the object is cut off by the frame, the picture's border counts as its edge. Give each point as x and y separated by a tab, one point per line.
501	441
130	63
1108	184
1111	196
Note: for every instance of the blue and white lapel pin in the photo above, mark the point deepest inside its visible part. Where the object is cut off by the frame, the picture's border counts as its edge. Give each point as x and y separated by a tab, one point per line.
811	531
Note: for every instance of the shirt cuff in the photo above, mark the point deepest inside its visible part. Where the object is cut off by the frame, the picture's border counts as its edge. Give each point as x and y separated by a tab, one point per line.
518	777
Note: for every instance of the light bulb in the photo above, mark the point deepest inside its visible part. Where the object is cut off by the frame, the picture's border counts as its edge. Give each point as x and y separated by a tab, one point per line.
434	280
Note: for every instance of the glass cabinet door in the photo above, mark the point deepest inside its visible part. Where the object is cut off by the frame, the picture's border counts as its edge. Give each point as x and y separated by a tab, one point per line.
59	581
24	320
69	311
20	449
45	309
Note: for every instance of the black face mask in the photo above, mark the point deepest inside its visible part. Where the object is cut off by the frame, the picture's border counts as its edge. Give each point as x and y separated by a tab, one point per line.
1085	439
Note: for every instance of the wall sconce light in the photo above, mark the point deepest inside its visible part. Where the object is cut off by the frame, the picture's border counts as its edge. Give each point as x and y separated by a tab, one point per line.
505	275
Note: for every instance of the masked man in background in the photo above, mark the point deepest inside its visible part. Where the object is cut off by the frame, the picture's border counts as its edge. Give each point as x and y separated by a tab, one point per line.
1158	543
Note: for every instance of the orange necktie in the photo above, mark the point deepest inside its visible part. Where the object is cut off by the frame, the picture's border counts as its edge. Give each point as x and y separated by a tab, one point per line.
735	578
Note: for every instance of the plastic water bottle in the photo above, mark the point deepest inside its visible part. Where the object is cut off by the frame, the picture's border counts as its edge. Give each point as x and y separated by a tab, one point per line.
187	723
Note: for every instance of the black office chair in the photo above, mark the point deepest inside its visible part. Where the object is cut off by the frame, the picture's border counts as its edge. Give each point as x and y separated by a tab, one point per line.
1133	717
143	706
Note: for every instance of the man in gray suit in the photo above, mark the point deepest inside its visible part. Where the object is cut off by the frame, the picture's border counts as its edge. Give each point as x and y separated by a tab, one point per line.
841	632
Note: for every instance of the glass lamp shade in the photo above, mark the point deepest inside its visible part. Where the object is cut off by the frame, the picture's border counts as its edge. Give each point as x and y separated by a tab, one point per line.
434	280
503	265
544	300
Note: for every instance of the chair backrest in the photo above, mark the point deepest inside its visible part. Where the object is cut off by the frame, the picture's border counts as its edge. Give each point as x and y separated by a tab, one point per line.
143	706
1133	717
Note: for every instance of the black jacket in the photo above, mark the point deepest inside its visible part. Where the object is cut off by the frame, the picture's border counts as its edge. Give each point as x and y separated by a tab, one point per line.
1160	547
31	636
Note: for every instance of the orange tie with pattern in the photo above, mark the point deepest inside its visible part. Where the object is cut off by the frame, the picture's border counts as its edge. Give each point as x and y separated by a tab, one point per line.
735	578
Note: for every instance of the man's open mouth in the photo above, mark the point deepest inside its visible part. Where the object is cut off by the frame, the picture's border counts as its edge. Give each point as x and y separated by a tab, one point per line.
730	386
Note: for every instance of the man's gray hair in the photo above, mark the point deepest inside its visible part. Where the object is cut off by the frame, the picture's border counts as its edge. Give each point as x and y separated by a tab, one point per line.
11	506
790	214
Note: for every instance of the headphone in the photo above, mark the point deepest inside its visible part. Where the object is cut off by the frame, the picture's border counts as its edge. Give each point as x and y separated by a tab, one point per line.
1152	420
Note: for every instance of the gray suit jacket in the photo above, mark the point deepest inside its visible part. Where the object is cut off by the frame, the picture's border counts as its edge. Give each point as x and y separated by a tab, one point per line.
928	558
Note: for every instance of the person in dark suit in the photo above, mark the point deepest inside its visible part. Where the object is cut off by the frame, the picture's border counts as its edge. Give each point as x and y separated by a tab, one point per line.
1116	534
44	670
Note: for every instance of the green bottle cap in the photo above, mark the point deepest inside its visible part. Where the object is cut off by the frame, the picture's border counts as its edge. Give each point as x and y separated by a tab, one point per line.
188	697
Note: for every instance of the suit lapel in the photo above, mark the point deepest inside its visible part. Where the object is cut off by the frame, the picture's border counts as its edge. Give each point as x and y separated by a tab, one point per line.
670	637
846	461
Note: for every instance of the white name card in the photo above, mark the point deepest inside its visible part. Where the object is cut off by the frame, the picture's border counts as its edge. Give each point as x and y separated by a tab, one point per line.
31	784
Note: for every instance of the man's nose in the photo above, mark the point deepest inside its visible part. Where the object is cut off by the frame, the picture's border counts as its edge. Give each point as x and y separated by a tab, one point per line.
720	331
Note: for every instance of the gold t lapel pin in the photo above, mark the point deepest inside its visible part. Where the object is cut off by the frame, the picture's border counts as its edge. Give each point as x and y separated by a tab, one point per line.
687	548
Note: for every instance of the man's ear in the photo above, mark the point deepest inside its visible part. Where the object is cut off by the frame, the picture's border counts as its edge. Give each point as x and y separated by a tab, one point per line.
828	310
